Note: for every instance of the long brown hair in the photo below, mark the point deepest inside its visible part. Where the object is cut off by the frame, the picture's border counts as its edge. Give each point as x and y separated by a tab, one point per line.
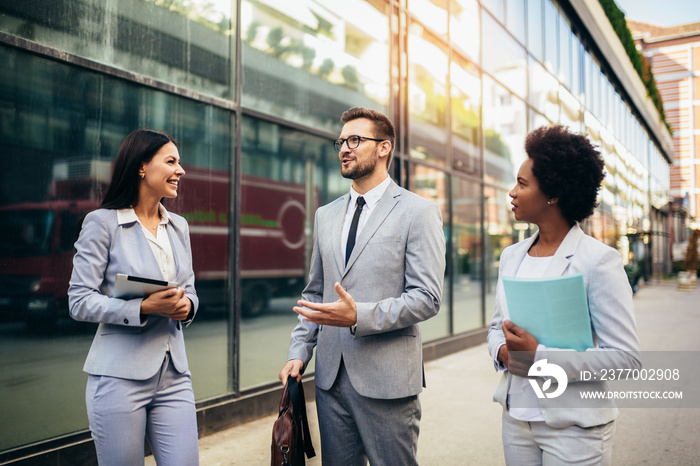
138	148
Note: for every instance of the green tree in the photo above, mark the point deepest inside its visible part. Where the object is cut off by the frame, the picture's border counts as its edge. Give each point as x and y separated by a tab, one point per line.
307	56
274	41
494	143
349	73
252	32
326	68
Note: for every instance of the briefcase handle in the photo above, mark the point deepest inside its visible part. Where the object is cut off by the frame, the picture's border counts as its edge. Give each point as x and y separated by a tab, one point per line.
296	393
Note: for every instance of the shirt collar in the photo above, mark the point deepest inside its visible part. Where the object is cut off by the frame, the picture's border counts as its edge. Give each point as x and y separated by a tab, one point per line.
125	216
372	196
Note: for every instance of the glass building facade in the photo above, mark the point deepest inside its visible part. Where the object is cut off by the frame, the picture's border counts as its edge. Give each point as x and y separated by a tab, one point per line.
252	90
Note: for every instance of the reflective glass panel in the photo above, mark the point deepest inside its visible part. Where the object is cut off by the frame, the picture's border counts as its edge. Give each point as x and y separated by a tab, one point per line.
504	123
535	31
570	110
499	235
464	28
575	64
515	18
466	105
602	100
286	175
551	43
65	126
659	177
593	84
432	13
503	57
543	92
536	120
565	72
427	95
187	44
497	8
466	254
308	61
433	184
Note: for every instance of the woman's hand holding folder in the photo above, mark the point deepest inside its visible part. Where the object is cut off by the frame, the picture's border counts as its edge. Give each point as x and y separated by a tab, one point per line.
520	349
170	303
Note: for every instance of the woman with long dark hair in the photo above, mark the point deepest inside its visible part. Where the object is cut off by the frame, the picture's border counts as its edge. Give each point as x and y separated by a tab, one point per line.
139	384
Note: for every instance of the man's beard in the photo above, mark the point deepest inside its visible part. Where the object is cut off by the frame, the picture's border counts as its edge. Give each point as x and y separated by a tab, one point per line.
361	170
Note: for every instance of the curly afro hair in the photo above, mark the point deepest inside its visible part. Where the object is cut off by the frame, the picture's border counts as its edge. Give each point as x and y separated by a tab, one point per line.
567	167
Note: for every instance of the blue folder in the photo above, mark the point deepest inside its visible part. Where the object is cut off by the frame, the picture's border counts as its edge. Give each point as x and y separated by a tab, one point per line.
554	310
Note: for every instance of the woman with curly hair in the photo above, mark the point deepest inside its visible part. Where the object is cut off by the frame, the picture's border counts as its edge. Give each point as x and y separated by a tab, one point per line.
556	188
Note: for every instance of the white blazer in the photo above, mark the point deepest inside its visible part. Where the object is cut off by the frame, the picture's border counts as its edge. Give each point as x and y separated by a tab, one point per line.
612	322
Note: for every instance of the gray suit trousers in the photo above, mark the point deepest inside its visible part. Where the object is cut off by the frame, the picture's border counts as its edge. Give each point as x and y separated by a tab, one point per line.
355	429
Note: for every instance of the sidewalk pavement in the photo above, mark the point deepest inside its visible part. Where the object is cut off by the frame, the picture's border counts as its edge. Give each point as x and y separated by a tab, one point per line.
461	425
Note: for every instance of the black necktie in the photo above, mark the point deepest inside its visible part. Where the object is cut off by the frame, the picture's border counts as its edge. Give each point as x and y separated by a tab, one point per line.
353	228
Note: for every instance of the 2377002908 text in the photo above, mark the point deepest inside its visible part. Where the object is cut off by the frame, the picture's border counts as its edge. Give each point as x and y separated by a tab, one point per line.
631	374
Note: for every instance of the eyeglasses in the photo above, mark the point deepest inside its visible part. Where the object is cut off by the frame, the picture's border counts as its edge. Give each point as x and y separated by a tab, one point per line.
352	141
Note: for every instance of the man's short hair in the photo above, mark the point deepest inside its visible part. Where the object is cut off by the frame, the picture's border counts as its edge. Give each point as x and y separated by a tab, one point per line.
383	127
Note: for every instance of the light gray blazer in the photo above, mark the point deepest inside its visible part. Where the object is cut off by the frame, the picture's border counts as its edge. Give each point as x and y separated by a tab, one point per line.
125	345
612	322
395	275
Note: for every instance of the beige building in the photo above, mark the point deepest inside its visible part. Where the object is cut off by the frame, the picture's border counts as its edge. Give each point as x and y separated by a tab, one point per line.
674	54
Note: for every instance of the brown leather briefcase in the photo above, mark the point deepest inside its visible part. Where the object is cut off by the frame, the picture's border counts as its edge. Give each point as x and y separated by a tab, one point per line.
290	432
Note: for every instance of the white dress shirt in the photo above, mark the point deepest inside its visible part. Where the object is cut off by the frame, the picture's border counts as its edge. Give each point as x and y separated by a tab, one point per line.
371	198
159	243
521	392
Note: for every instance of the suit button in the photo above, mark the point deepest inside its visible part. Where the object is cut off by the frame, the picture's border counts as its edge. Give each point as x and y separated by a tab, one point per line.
126	321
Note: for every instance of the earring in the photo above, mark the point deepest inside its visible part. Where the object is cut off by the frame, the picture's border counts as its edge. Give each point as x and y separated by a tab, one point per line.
143	175
548	202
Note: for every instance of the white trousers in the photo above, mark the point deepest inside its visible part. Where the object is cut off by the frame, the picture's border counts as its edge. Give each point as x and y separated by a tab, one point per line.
122	412
535	443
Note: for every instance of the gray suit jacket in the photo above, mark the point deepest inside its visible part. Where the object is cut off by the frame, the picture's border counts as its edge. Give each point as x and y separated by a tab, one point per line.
126	346
395	275
612	321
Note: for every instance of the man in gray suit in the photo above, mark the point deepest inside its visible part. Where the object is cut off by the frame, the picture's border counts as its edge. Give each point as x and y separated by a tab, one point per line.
376	272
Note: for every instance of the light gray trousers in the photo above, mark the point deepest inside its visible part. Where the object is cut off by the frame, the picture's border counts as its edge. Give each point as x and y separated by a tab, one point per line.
122	412
535	443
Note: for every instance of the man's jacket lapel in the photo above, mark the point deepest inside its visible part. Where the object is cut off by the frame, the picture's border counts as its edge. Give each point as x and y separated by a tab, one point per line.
386	204
338	217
